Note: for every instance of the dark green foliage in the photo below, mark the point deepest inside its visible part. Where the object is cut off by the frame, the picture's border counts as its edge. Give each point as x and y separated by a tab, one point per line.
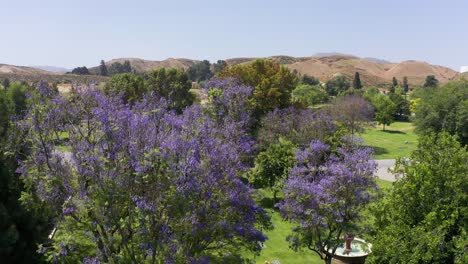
394	82
444	109
132	86
103	69
172	84
384	110
200	71
337	85
219	66
431	81
405	85
272	83
117	68
357	81
6	83
272	166
81	71
402	105
309	95
424	217
309	80
20	230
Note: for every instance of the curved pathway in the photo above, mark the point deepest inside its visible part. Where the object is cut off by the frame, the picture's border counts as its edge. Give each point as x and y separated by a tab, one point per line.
382	169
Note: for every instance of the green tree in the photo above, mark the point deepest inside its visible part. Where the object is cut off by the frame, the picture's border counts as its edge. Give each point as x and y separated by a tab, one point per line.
394	82
402	106
405	84
272	84
309	95
132	86
424	217
6	83
219	66
384	110
200	71
444	109
20	229
272	166
357	81
337	85
310	80
431	81
81	71
103	69
172	84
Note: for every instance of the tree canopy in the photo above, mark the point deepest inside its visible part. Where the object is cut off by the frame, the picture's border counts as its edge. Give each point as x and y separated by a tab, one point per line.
444	109
424	217
172	84
272	83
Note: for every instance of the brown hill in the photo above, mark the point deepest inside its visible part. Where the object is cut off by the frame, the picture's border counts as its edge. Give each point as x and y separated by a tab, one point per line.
141	65
372	71
31	75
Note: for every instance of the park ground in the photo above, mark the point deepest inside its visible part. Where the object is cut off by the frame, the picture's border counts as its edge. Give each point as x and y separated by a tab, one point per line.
398	140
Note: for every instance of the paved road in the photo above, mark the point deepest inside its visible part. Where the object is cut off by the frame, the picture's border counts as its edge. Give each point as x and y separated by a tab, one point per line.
382	169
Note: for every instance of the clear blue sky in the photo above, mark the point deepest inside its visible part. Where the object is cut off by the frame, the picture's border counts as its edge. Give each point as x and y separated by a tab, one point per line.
73	33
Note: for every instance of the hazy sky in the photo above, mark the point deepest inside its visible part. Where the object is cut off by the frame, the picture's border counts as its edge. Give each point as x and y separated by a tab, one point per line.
73	33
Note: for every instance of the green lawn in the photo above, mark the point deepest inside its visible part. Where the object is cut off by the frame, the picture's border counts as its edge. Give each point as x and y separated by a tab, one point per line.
398	140
276	247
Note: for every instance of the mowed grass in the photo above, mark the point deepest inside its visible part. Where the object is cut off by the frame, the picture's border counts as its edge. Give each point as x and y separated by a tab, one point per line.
276	247
398	140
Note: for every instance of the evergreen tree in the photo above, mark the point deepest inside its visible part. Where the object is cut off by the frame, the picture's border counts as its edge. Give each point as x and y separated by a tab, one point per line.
127	67
357	81
103	69
309	80
431	81
219	66
405	84
394	82
6	83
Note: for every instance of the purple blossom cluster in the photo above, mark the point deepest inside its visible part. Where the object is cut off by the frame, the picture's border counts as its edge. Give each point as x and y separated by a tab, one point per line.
325	192
143	174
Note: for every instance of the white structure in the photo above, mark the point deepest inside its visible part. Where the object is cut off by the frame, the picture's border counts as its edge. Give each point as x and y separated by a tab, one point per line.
463	69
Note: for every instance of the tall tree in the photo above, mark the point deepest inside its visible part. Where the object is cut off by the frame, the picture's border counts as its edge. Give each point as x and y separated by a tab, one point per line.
22	226
431	81
144	185
172	84
424	217
200	71
351	111
219	66
384	110
272	83
103	69
337	85
444	109
324	195
131	86
405	85
309	80
357	81
394	82
272	166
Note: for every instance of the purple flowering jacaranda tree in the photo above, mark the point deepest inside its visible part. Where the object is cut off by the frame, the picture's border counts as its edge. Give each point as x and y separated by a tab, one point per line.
140	184
324	195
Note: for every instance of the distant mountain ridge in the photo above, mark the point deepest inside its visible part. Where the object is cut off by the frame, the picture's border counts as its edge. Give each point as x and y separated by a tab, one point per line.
324	66
52	69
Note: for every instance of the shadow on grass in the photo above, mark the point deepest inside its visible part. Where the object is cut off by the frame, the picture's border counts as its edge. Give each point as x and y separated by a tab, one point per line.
379	150
392	131
267	202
